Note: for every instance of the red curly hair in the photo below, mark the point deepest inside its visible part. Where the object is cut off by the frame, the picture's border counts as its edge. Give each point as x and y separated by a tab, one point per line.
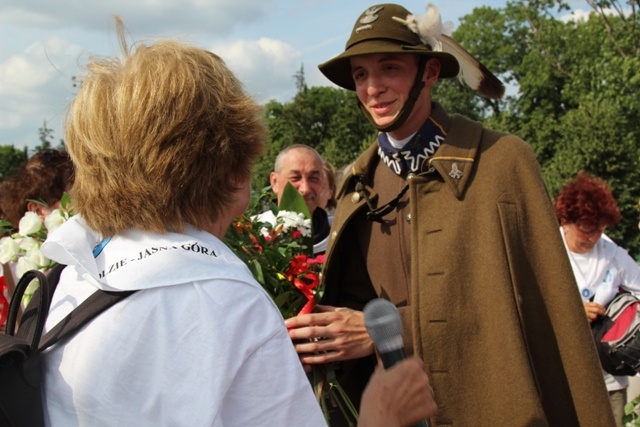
587	200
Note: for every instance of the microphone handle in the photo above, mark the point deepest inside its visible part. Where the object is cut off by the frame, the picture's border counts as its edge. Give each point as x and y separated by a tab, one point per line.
390	358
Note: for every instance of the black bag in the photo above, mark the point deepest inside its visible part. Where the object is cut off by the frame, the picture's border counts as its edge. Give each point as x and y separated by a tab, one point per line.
20	353
617	336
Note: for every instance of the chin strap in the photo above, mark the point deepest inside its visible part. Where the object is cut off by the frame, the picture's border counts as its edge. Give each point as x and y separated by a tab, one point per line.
407	108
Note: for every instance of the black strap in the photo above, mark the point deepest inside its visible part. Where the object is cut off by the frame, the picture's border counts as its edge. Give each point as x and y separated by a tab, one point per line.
39	315
30	317
97	302
378	214
35	315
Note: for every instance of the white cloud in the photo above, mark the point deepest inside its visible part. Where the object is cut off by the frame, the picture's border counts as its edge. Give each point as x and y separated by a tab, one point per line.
577	15
212	16
266	66
35	86
581	15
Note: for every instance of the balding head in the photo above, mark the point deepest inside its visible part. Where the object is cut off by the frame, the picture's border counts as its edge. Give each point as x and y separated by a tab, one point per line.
300	165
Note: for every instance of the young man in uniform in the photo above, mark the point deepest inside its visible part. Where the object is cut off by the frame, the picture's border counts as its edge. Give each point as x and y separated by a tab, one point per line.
452	223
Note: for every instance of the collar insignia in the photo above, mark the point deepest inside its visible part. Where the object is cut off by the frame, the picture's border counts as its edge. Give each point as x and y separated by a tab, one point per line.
455	172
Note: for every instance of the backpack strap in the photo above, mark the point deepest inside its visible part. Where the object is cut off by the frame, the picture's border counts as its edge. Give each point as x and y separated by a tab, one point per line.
39	316
97	302
30	318
35	315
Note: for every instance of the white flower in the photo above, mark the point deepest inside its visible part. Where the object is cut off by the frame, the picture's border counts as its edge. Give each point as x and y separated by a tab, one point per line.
27	243
8	249
32	260
54	220
33	286
23	265
29	224
37	257
294	220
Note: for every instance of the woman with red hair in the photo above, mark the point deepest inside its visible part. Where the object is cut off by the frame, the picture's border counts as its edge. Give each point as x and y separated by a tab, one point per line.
585	207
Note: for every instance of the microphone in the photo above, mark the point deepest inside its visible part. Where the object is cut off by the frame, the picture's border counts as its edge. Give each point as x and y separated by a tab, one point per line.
383	323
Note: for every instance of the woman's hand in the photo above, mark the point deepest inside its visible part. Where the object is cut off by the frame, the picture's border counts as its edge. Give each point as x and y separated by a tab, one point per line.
396	397
593	310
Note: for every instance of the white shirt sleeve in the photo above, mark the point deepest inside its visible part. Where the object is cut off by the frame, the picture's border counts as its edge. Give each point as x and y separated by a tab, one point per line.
628	270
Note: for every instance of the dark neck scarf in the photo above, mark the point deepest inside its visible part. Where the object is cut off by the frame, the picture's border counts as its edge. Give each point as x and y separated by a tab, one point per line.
410	158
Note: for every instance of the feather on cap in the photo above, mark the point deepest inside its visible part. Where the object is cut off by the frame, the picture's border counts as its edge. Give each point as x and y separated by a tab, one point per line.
431	31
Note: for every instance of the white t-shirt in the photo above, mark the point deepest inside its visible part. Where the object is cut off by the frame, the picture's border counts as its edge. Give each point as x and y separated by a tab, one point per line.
201	344
600	274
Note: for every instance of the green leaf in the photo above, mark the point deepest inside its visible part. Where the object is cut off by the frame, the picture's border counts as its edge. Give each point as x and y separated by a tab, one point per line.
282	298
65	201
293	201
258	272
5	227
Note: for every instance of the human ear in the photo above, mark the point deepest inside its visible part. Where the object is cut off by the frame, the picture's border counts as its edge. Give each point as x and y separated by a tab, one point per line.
431	71
41	210
273	180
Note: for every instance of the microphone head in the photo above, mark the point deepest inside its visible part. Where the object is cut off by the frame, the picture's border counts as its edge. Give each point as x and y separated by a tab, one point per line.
383	323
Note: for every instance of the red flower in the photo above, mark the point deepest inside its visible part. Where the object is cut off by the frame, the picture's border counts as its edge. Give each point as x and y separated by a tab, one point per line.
256	245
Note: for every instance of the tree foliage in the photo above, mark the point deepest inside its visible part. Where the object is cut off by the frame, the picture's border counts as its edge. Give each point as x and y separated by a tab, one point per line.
11	159
595	114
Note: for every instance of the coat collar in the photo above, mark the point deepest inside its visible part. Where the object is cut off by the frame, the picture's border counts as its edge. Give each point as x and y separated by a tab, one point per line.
453	161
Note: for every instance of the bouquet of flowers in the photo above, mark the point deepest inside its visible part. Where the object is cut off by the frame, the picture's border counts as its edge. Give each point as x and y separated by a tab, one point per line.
277	246
278	249
23	247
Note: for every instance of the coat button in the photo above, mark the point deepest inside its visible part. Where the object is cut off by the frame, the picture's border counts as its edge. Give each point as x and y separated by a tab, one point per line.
410	176
409	218
334	234
355	197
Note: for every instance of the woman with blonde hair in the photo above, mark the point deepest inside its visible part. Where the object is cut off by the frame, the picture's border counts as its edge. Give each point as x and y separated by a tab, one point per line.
163	141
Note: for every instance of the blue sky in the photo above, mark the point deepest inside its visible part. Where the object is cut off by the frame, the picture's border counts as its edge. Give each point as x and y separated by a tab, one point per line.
44	43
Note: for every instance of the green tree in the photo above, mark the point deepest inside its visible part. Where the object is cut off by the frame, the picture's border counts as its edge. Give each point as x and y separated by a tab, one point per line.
11	159
575	81
46	137
301	82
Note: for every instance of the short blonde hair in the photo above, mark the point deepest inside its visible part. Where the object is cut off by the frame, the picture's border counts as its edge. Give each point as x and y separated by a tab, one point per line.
160	138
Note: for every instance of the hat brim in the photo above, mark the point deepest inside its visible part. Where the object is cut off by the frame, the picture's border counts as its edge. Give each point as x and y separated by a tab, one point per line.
338	69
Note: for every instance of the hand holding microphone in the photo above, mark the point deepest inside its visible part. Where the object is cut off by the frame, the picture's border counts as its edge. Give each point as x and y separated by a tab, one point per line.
384	325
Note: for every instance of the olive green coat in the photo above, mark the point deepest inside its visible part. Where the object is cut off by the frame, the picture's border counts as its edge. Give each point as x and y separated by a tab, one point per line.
493	308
